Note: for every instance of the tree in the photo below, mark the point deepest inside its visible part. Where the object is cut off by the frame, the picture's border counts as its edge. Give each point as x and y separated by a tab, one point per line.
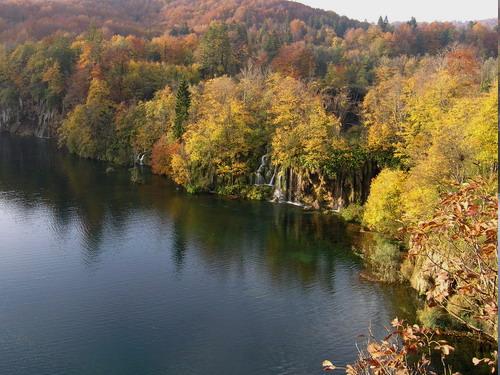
483	132
89	129
271	44
214	51
182	104
295	60
161	160
383	23
219	140
384	104
413	22
303	131
383	210
298	29
141	125
380	22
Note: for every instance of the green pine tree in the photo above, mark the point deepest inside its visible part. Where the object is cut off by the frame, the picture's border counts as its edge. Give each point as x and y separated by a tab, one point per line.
182	104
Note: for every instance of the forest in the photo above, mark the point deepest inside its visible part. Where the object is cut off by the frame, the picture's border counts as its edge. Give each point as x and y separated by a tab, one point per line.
394	126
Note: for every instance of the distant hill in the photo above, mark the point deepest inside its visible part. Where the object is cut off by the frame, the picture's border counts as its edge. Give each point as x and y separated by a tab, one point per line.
198	14
22	20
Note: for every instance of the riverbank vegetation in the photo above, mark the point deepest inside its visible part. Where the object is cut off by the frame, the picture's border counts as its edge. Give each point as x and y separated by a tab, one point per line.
394	126
453	263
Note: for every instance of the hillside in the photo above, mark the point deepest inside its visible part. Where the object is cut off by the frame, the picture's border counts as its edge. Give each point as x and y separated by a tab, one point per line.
198	14
35	19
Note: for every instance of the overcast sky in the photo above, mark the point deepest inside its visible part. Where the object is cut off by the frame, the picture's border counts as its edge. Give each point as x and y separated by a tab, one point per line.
403	10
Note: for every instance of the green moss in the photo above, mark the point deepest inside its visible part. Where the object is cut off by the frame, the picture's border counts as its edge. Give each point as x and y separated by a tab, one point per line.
136	176
227	190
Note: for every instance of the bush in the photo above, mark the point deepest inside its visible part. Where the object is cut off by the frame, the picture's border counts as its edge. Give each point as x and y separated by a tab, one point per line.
383	210
136	176
251	192
457	251
193	189
352	213
229	190
258	192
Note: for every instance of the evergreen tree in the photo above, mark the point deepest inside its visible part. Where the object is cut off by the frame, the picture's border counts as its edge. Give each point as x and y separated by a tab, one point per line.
413	22
214	52
182	104
380	23
272	44
383	23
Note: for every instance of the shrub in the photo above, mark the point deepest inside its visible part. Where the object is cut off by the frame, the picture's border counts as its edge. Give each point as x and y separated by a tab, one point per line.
352	213
456	251
383	210
258	192
408	349
229	189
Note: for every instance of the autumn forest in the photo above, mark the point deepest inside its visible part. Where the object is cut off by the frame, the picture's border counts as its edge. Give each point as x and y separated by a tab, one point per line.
392	126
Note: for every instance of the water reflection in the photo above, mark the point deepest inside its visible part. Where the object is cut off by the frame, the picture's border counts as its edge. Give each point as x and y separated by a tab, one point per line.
277	287
293	244
75	190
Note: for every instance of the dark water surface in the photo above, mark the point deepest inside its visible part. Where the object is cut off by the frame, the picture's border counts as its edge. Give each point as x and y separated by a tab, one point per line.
102	276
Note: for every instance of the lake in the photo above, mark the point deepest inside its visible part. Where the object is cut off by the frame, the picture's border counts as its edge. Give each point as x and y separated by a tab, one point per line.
99	275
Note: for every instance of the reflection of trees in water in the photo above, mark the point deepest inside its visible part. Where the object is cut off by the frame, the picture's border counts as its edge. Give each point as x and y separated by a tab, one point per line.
179	245
290	243
284	243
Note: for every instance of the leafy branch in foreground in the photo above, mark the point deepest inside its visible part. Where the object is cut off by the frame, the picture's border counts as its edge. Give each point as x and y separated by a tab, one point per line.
457	253
407	350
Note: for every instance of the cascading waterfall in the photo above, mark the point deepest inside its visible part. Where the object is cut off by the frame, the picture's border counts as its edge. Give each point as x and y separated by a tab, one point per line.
278	194
310	189
260	178
265	173
273	176
140	158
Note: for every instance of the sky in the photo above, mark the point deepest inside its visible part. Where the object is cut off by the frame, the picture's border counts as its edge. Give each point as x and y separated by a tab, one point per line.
403	10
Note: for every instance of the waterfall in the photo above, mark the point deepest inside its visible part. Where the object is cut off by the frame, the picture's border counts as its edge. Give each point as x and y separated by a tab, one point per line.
278	195
140	158
271	183
260	174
